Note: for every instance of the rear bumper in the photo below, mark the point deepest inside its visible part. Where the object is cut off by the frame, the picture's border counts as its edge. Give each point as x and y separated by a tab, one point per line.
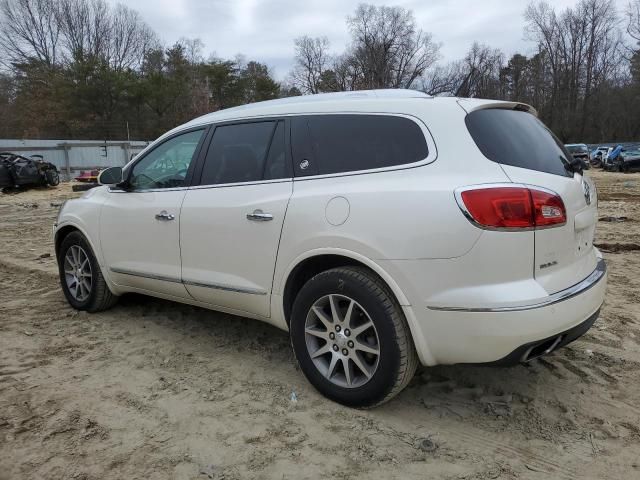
508	334
579	288
538	348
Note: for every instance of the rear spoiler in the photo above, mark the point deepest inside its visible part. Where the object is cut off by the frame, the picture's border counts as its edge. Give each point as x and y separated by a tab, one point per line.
472	104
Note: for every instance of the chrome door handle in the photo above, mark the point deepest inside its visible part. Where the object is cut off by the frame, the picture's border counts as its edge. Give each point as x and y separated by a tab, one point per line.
259	216
164	216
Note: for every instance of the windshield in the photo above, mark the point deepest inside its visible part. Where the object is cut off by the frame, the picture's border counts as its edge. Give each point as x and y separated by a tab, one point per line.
576	148
519	139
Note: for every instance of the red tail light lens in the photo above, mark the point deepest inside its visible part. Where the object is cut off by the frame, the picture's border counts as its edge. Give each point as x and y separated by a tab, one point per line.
513	207
549	208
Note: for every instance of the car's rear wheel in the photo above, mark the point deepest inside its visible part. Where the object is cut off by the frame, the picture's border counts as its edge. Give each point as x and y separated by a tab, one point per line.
351	338
82	282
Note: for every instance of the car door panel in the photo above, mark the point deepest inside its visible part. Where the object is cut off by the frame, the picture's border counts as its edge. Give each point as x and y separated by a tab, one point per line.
228	259
231	224
140	250
140	220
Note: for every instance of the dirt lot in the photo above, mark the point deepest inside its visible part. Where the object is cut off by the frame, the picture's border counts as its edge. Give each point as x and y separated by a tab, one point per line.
155	390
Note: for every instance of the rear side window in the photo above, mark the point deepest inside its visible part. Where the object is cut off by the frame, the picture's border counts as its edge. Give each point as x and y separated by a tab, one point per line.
277	165
519	139
324	144
238	153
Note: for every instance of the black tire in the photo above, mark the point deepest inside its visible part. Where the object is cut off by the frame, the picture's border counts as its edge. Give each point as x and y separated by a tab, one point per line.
398	358
100	297
53	177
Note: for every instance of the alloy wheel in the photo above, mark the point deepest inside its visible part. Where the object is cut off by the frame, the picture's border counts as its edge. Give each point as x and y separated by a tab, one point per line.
342	341
77	273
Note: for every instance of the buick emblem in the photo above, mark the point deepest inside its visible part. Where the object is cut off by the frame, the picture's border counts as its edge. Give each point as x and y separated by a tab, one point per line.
586	188
304	164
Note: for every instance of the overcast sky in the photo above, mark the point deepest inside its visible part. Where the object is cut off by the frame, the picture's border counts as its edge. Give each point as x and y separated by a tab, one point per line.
264	30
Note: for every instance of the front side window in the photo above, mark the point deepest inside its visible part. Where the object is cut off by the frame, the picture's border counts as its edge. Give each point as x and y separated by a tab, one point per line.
348	143
245	152
166	166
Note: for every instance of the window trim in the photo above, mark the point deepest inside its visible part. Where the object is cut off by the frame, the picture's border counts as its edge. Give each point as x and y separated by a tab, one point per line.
432	151
198	162
188	179
197	184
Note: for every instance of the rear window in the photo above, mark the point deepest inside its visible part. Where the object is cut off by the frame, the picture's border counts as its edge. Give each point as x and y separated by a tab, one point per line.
519	139
339	143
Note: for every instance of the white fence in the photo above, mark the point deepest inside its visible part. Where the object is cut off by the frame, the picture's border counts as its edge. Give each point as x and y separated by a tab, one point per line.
75	156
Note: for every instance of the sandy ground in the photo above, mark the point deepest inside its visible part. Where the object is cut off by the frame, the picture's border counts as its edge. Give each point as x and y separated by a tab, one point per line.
155	390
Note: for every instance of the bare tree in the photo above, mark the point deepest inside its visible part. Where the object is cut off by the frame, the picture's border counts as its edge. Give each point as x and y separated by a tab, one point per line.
130	38
311	60
193	49
633	19
388	47
29	31
582	45
441	80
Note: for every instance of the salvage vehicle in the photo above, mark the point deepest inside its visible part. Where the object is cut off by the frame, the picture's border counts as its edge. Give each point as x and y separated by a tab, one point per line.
628	161
580	151
613	158
381	229
17	171
599	156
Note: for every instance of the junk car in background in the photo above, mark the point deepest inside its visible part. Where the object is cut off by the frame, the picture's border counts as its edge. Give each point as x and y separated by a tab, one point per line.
17	171
580	152
599	156
629	160
613	158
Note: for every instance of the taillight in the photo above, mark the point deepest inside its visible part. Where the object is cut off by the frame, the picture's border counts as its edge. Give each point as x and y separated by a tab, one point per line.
549	208
512	208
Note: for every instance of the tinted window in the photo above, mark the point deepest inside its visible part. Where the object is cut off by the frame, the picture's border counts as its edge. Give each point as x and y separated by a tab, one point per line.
347	143
517	138
304	162
237	153
166	165
277	165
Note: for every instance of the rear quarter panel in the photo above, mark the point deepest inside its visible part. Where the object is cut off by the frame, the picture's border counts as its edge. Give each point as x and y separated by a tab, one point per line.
408	213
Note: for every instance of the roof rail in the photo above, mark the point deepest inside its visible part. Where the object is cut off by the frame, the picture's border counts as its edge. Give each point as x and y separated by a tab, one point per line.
354	94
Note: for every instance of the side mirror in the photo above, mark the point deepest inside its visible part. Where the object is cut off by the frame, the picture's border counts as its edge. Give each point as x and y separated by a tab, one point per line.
110	176
577	165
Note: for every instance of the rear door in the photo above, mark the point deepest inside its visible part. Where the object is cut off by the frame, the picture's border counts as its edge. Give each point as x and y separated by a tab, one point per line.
230	224
530	154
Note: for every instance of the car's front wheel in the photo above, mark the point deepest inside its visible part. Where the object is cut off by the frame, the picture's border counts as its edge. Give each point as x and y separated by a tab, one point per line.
351	338
53	177
82	282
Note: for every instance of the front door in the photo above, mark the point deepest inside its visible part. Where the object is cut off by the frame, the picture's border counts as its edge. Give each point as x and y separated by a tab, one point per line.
230	225
140	224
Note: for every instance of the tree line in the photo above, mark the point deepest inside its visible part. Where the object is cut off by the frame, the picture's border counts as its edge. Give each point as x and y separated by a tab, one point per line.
84	69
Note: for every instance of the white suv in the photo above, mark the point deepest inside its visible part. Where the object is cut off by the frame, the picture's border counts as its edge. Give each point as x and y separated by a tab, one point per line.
380	228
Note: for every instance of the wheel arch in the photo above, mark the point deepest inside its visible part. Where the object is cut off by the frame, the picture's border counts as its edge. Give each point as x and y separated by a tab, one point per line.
61	234
311	263
65	229
315	261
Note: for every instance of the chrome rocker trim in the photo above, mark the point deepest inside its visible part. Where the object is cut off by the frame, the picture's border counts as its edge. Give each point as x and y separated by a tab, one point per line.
215	286
557	297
